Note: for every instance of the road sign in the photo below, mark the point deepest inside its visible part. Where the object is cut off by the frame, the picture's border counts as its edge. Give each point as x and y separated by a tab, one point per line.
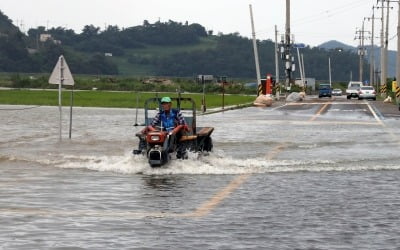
394	86
299	45
61	73
62	76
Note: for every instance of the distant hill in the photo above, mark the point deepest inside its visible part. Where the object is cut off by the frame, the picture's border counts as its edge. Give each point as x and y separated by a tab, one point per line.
13	53
170	49
333	44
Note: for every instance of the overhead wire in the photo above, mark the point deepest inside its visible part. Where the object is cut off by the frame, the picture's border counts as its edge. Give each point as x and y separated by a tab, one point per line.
327	13
331	12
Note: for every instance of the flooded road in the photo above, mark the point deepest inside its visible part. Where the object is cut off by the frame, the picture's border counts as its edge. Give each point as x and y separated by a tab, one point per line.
321	174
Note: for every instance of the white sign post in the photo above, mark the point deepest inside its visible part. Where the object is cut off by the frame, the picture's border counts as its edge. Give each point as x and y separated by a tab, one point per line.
62	76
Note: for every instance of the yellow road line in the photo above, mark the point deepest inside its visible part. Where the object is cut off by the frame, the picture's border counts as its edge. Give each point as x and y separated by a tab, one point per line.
201	211
320	111
275	151
219	197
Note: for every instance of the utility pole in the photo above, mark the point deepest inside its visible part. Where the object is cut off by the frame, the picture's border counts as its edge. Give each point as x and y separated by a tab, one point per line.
300	68
285	49
277	80
276	56
302	63
383	75
384	40
398	46
387	40
255	53
330	76
372	53
385	62
287	46
361	50
372	63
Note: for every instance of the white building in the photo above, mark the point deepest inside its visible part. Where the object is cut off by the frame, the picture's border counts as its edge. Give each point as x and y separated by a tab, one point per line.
206	78
310	82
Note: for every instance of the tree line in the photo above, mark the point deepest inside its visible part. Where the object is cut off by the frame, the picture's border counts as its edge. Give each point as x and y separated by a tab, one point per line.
231	54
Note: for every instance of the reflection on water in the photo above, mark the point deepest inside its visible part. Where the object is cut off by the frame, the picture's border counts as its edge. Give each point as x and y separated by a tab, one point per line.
162	183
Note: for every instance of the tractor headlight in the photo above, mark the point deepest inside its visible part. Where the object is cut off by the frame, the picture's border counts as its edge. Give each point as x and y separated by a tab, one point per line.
155	138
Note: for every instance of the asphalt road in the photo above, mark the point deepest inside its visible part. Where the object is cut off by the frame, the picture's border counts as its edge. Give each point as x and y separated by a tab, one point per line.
385	109
317	174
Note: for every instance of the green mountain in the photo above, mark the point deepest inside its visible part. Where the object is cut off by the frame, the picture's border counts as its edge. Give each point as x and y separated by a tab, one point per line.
159	49
377	54
13	53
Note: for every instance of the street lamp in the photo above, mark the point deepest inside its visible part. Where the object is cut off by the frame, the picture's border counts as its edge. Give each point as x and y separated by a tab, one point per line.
301	66
329	62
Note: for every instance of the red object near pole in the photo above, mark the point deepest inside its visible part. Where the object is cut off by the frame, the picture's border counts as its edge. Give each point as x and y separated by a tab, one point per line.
268	84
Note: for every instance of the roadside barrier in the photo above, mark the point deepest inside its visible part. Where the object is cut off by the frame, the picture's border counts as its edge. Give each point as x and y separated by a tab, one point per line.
260	90
398	92
383	89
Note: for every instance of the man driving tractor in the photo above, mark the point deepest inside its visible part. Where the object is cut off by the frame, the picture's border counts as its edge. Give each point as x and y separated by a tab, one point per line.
170	120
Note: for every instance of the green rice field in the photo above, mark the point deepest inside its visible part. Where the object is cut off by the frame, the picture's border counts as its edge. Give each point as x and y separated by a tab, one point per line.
112	99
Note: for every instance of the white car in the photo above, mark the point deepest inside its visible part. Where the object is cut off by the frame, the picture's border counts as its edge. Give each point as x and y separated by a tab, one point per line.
367	92
337	92
352	89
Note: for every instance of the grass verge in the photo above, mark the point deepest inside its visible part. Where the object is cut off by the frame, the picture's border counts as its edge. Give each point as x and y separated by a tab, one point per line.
111	99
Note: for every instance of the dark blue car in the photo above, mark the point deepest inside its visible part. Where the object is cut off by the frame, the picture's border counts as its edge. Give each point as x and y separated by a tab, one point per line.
325	90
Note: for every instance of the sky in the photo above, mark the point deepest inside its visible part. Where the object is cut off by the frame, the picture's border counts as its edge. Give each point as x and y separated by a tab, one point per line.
312	21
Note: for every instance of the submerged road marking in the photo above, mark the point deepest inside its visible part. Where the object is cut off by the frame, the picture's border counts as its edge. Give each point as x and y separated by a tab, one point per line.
278	107
279	148
219	197
201	211
375	115
292	122
239	180
276	150
387	129
319	103
320	111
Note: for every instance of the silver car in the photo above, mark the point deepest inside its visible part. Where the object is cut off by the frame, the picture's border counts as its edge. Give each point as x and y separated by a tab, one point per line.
337	92
367	92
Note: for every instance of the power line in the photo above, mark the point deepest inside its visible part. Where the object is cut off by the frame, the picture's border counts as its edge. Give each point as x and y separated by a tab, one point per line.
393	37
331	12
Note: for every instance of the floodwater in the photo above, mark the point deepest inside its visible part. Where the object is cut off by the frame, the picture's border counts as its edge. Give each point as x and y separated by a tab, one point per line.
291	177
